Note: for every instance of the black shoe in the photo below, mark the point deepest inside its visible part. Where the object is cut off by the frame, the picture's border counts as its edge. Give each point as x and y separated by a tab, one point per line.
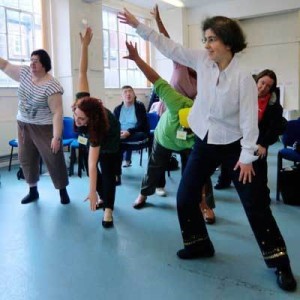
118	180
108	224
285	279
205	250
222	186
64	197
31	197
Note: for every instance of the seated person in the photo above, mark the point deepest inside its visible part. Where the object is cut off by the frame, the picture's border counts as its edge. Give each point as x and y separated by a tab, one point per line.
133	119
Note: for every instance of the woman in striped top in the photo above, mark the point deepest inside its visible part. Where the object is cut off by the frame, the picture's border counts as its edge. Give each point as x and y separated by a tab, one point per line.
40	123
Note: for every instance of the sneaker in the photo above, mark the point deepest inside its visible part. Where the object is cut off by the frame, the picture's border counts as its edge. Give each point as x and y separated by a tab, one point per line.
160	192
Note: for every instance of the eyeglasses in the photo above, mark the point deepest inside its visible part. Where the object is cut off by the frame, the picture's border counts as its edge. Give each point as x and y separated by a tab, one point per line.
209	40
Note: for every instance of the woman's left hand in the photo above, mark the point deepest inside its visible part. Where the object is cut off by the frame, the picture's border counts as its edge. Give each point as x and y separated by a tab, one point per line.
246	172
55	145
261	151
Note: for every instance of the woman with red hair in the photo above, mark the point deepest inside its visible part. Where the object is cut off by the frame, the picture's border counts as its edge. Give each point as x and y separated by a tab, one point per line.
97	127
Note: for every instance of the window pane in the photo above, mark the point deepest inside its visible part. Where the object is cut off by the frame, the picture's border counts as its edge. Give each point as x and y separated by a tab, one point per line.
113	40
11	3
112	21
105	19
2	21
123	61
26	38
122	40
22	20
26	5
123	77
114	59
120	71
37	8
3	48
111	78
105	58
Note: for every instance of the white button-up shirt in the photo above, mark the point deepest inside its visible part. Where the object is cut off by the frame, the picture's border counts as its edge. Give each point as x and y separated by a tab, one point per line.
226	104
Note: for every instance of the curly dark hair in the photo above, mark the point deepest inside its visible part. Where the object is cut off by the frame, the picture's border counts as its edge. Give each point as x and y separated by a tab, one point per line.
44	58
98	125
228	30
269	73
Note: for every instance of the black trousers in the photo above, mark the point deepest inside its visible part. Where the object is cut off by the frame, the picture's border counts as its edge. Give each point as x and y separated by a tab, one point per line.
201	164
106	178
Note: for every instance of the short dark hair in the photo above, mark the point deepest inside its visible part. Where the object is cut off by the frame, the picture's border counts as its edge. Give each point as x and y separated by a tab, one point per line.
228	30
124	87
269	73
44	57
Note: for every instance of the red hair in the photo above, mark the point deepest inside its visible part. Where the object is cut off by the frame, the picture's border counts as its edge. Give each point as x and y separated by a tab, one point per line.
98	124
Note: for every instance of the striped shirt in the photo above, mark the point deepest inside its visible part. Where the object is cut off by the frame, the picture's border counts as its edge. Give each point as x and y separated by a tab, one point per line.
33	105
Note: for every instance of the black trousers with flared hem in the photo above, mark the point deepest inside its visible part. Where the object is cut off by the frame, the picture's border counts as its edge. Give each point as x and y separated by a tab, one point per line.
201	164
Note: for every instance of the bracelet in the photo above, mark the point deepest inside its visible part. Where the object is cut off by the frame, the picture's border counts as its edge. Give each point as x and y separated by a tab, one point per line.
58	139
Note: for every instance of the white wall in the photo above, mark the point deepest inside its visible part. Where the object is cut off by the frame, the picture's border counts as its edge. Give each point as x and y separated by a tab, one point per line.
271	40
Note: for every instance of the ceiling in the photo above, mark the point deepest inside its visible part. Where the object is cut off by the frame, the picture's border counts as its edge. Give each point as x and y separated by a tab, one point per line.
187	3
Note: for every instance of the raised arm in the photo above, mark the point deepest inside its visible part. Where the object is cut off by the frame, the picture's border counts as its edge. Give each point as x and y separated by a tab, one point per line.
133	54
13	71
83	85
161	27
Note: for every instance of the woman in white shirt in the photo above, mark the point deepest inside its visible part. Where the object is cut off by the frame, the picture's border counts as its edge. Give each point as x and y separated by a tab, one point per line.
224	119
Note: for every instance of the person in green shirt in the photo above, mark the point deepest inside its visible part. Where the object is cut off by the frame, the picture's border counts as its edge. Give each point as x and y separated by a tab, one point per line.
169	135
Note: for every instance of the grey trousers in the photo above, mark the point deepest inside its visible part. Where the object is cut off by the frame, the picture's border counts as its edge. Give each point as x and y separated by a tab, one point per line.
34	144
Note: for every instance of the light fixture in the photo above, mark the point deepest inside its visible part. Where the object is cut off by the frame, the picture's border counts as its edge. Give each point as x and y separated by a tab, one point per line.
176	3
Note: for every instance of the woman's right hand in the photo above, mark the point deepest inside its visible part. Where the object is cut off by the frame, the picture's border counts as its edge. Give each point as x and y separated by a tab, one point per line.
155	13
87	37
127	17
92	196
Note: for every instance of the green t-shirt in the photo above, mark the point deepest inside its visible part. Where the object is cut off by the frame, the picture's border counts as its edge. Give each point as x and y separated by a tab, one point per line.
168	125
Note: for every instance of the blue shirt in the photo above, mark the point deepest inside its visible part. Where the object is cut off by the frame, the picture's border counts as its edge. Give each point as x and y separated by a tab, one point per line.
127	117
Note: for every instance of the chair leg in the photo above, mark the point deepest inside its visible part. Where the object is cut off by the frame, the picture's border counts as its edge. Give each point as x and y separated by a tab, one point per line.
72	161
279	167
10	159
141	157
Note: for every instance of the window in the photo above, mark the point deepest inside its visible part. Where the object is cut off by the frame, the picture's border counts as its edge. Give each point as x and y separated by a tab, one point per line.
119	71
20	33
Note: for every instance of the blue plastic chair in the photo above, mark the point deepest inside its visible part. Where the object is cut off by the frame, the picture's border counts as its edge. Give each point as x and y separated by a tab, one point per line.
68	132
13	144
290	136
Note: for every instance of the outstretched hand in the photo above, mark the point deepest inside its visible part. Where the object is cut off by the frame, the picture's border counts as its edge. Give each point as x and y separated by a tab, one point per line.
155	12
132	51
87	37
127	17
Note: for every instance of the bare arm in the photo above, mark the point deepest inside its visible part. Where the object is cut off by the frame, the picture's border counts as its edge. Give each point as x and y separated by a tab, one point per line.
55	104
13	71
83	85
161	27
150	73
93	160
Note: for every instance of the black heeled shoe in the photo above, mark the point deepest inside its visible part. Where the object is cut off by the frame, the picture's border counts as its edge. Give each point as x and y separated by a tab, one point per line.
108	224
285	279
